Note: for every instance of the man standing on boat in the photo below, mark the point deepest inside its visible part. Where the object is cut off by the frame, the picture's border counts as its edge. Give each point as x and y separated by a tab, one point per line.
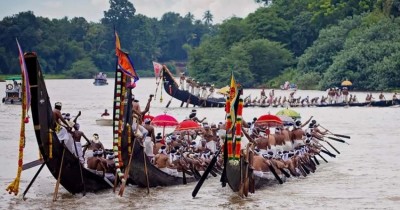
193	117
77	135
212	90
345	93
182	80
62	127
382	97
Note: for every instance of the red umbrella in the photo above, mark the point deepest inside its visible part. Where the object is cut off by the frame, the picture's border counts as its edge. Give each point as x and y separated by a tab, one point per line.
164	120
269	120
187	125
147	116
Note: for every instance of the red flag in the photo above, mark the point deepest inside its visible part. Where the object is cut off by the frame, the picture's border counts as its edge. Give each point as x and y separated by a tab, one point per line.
157	69
124	61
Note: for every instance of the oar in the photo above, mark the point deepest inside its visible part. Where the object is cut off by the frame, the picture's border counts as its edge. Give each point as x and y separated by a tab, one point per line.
126	173
339	135
32	164
205	174
184	176
59	175
336	139
322	157
328	153
80	169
146	172
316	160
285	172
272	169
33	180
332	146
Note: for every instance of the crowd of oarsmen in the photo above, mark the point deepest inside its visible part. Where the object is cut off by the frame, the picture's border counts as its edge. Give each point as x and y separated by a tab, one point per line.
288	148
334	95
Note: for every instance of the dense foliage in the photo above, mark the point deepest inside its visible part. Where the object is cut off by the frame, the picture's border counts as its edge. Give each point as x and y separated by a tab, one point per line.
314	43
68	46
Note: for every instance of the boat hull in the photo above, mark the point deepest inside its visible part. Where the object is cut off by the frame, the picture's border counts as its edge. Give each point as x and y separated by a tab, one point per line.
172	88
51	149
104	122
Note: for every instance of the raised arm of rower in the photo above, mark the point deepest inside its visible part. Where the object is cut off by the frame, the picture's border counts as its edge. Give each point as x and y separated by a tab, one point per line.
306	122
76	118
147	105
248	136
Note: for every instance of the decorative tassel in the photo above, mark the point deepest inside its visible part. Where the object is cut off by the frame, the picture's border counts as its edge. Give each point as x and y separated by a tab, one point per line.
50	144
129	138
14	186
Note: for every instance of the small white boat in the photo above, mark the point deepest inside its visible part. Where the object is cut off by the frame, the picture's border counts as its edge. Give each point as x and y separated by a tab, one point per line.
104	122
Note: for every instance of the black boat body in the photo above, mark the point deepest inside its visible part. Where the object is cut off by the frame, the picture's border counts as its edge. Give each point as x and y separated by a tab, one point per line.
383	103
137	175
100	82
43	122
172	88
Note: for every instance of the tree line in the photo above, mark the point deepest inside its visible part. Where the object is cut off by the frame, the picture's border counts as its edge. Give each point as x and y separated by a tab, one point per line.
313	43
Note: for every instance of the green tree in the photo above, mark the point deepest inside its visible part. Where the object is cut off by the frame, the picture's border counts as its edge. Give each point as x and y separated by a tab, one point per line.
82	69
208	17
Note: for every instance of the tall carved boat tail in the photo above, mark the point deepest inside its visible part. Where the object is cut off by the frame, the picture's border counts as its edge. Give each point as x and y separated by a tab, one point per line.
50	147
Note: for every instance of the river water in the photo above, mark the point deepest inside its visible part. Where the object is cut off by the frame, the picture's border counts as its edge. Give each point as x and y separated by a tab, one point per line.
366	175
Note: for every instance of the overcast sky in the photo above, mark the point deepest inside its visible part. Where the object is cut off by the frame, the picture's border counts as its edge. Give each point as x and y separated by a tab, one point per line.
92	10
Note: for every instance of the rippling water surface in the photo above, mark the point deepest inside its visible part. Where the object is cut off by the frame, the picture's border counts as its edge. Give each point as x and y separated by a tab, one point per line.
366	175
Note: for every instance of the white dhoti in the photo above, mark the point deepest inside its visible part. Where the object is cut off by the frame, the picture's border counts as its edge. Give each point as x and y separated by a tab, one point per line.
148	147
63	135
169	171
88	154
297	143
265	152
287	146
142	130
279	148
261	174
212	146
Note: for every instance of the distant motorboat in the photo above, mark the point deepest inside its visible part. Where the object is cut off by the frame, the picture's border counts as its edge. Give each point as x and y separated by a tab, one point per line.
13	91
100	79
288	86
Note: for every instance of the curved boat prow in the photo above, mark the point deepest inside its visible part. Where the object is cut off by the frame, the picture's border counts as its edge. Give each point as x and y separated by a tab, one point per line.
50	147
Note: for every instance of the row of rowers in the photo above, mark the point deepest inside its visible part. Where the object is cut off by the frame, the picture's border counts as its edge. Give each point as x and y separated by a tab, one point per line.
92	155
292	149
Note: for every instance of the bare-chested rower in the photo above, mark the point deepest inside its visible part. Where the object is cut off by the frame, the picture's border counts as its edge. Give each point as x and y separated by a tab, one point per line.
161	160
77	135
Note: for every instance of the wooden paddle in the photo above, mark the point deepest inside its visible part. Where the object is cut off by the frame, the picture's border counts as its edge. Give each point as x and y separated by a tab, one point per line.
336	139
126	172
332	146
33	180
32	164
59	175
322	157
328	153
205	174
272	169
145	171
316	160
339	135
